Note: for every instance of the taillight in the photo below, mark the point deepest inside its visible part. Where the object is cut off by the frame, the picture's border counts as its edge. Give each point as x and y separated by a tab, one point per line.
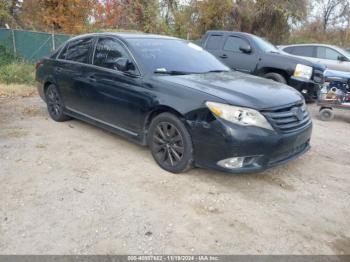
38	64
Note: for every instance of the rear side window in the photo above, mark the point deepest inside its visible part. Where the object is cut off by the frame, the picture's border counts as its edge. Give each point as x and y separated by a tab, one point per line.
214	42
303	51
233	43
327	53
78	50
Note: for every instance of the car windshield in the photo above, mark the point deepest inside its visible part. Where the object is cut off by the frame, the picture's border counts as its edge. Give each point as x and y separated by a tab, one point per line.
175	56
265	46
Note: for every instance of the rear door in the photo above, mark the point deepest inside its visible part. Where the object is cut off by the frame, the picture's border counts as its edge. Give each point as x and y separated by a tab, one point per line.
70	72
233	57
213	44
306	52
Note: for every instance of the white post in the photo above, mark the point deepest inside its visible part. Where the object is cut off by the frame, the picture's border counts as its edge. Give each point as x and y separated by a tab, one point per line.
53	38
14	42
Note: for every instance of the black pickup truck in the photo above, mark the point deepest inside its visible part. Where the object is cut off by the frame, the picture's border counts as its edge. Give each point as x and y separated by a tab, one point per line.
251	54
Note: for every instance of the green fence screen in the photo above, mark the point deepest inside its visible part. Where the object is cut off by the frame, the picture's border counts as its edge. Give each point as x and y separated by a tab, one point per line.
31	45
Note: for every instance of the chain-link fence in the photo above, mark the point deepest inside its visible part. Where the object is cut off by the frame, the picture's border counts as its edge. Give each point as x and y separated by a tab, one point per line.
31	45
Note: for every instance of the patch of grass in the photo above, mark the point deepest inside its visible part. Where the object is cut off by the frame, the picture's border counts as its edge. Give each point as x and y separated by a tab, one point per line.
14	70
6	56
17	72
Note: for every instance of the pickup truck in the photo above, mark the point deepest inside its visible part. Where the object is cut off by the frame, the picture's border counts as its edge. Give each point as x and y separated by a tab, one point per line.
251	54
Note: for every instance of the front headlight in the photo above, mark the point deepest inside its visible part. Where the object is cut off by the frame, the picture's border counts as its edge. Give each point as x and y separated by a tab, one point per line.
239	115
303	71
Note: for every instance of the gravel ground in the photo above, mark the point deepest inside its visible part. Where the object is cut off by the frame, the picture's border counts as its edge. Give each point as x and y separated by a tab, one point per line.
71	188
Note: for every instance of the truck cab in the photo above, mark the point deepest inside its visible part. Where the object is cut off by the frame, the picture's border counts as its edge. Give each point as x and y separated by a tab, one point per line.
251	54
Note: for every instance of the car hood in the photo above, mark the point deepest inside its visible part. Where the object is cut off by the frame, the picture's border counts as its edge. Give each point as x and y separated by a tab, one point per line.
239	89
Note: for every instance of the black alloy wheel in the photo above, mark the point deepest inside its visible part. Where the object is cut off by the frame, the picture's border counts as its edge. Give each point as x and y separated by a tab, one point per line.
170	143
55	104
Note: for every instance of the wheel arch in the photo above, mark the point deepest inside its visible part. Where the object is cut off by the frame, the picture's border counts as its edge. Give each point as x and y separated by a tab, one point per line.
159	110
50	81
46	85
266	70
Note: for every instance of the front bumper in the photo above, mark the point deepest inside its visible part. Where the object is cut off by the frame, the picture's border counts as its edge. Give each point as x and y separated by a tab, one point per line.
308	88
264	149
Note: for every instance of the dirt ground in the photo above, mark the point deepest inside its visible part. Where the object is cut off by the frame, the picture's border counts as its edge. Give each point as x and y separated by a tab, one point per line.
71	188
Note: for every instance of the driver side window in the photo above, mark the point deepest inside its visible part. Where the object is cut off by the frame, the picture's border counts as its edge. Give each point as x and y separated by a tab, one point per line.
107	51
327	53
233	44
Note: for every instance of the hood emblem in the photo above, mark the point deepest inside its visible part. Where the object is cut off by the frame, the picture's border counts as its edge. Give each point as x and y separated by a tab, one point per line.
298	113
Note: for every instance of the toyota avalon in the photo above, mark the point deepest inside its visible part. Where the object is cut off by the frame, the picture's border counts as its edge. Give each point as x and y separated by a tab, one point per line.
177	99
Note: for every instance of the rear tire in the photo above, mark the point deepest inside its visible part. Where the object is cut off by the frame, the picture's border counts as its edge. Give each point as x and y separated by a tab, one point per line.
55	104
326	114
170	143
276	77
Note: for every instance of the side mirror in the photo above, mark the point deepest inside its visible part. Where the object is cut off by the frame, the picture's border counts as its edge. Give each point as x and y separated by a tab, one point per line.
342	58
122	64
247	49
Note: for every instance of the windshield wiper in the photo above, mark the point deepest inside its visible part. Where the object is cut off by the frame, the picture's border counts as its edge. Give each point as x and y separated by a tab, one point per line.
173	72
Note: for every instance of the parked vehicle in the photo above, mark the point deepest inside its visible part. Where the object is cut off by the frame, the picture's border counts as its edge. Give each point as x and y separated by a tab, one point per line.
335	94
169	94
251	54
331	56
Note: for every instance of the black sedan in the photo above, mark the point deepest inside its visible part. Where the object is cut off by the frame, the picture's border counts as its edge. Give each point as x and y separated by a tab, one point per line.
170	94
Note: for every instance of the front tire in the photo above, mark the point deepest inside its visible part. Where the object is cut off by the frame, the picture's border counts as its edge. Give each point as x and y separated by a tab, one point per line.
170	143
55	104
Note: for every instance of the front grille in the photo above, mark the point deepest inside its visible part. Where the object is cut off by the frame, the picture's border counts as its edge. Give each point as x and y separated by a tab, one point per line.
289	119
318	76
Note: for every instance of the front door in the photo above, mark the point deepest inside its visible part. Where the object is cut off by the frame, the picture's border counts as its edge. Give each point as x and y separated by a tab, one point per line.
115	97
330	58
233	57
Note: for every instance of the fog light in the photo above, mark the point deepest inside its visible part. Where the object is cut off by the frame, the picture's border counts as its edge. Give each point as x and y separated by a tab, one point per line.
304	91
231	163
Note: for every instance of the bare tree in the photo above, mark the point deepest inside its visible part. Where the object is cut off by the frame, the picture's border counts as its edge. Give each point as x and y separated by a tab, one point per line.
331	10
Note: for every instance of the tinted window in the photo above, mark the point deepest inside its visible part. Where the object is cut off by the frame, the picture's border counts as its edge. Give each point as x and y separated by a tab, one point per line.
303	51
327	53
78	50
164	55
233	43
108	49
214	42
289	49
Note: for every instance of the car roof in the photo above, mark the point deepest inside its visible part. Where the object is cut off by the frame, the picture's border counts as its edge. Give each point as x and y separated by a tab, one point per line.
126	35
337	48
228	32
325	45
